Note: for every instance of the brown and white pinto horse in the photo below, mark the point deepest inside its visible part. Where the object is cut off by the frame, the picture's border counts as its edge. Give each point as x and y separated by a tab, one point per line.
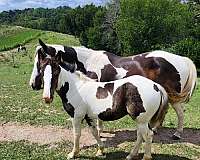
143	100
175	73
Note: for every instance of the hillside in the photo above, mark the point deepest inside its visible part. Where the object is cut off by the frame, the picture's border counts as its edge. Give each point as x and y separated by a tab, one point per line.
13	36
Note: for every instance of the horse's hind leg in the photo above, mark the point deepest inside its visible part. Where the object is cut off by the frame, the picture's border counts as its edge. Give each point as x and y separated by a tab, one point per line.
93	127
143	133
76	122
147	135
99	126
180	113
134	151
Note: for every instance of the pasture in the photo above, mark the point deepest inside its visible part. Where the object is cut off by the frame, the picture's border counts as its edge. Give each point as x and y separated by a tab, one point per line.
19	104
12	36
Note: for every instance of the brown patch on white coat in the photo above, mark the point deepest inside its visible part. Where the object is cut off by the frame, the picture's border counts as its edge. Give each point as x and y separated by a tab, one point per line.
103	92
126	100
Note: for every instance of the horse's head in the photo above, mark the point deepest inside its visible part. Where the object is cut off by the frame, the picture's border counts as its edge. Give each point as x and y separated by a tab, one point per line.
41	52
49	74
48	65
68	56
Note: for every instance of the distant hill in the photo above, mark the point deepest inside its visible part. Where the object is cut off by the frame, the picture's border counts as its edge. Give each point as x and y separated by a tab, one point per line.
68	20
13	36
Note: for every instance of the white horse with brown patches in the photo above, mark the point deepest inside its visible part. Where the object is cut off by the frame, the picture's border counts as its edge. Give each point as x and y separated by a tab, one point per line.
142	99
175	73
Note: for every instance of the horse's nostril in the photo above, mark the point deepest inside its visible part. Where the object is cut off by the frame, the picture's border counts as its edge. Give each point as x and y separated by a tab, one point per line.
48	100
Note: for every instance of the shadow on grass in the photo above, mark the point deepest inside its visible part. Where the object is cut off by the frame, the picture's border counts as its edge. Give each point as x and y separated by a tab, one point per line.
164	135
120	155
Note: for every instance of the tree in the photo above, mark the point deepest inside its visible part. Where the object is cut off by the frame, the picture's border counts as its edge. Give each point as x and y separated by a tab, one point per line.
190	46
145	25
102	34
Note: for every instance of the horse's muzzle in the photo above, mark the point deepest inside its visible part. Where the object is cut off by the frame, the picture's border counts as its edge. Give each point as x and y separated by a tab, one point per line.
48	100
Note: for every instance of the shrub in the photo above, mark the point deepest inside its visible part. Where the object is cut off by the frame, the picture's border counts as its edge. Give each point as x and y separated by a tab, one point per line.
145	24
190	48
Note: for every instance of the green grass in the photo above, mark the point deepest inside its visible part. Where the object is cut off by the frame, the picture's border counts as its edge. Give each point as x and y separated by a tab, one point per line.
23	150
26	151
19	103
12	37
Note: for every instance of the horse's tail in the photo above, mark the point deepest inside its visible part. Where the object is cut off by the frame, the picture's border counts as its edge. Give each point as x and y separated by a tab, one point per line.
159	116
191	81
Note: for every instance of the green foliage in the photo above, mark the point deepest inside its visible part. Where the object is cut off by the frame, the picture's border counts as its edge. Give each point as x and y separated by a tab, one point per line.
194	6
190	48
101	35
62	19
92	37
144	24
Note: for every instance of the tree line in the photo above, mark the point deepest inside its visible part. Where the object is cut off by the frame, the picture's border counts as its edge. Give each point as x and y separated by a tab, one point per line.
124	27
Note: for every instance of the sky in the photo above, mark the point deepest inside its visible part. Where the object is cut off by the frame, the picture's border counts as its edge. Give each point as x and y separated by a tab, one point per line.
6	5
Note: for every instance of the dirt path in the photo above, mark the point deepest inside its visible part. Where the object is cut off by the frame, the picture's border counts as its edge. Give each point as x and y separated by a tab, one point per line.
43	135
53	134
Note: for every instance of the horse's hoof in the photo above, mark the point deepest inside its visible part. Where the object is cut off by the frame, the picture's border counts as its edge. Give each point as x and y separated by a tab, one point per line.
176	137
99	133
155	131
129	157
71	155
99	153
147	158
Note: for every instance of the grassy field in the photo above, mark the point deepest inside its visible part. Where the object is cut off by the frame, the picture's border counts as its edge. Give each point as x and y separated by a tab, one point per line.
11	36
19	103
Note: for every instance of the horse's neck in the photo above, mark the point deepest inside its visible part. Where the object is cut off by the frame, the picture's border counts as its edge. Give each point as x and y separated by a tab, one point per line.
74	81
84	54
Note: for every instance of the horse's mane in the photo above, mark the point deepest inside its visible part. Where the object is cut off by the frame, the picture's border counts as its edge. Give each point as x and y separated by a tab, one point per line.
83	76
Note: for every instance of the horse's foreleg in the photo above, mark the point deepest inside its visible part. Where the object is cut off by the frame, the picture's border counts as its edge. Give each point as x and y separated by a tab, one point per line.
99	126
93	128
180	113
76	122
134	151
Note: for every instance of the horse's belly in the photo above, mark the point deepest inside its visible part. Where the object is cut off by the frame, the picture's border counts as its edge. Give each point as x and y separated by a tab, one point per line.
111	115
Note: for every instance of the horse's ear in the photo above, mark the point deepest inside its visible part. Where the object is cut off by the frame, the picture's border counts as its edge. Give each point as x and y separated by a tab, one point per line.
58	56
44	46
